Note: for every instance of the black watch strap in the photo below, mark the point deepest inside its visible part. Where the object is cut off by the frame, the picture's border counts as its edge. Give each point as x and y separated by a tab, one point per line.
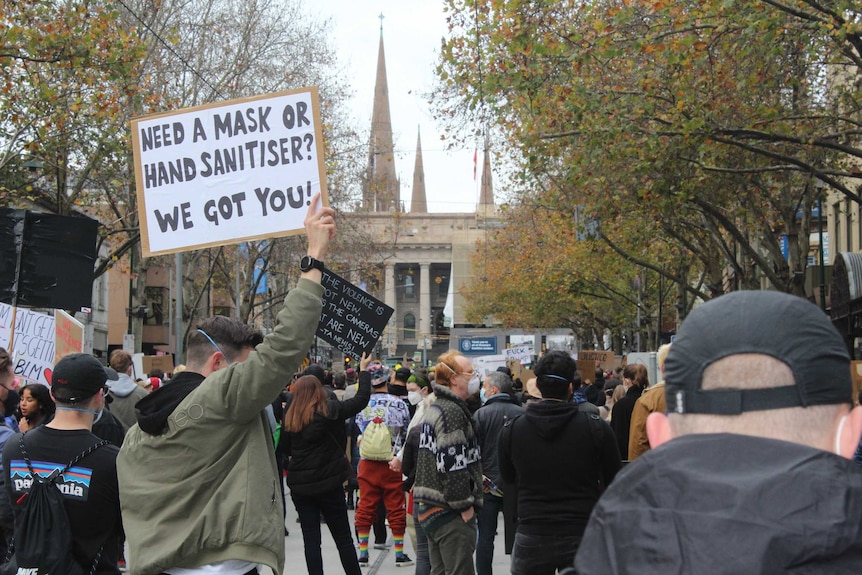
308	263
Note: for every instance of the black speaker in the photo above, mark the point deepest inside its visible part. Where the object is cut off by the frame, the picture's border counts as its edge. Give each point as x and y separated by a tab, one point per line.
57	257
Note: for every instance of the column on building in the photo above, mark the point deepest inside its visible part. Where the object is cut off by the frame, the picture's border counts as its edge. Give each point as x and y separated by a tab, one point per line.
424	302
391	337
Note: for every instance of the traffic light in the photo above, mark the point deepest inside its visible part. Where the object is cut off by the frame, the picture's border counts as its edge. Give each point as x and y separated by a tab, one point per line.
347	361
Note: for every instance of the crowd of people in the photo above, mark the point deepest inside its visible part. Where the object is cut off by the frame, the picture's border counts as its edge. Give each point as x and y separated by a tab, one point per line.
739	460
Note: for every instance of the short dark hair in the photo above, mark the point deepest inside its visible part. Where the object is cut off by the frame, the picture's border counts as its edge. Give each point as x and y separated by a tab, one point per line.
555	371
231	335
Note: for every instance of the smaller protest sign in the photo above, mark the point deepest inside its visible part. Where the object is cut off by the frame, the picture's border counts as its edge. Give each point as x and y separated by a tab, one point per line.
605	359
69	335
34	346
163	362
520	353
352	320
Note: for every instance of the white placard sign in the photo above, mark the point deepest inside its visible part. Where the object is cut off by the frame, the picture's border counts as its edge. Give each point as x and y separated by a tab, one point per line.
5	325
521	353
33	356
229	172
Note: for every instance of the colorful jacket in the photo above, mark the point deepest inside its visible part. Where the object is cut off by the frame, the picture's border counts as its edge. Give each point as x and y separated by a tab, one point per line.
448	467
204	488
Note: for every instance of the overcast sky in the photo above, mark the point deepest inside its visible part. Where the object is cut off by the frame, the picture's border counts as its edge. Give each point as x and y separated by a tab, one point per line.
412	30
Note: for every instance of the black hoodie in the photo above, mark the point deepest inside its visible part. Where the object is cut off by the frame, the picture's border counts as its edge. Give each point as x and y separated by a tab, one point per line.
155	408
559	465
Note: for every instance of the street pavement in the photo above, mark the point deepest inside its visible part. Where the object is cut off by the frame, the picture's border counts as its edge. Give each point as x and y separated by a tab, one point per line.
381	562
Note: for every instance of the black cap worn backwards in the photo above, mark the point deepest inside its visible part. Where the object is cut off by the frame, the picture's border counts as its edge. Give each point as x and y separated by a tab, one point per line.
788	328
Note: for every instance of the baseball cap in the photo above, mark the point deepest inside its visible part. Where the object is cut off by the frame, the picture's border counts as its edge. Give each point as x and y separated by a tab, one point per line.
785	327
79	376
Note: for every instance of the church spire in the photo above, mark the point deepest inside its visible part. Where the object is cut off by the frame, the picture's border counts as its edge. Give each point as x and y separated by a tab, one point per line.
382	189
419	203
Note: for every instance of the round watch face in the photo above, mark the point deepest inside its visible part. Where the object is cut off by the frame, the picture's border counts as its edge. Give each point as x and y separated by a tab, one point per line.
308	263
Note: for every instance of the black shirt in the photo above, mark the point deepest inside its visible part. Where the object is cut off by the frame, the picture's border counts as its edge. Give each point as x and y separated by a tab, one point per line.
89	487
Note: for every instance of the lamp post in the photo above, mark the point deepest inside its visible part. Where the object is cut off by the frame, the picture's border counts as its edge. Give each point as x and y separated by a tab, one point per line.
818	184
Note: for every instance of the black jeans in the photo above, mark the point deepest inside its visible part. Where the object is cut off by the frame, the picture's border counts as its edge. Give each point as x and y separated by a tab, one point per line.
334	510
487	521
543	554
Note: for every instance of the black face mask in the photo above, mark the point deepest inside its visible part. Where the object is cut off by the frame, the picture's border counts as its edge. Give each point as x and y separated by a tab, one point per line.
11	402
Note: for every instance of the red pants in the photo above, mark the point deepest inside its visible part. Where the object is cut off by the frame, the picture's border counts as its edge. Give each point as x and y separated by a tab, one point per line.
376	482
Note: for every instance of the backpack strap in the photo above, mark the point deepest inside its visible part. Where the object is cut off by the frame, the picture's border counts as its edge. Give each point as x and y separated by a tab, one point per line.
57	472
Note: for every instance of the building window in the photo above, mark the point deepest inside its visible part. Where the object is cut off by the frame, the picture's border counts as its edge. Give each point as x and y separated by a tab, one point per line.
409	326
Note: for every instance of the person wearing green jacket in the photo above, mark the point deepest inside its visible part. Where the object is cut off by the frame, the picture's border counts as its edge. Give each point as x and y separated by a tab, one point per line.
197	473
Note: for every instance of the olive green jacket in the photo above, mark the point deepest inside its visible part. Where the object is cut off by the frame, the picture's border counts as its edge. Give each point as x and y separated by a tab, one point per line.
206	490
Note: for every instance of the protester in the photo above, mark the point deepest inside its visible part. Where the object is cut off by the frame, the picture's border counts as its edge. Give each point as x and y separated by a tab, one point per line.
635	380
448	485
197	472
377	481
650	401
125	393
749	470
8	403
560	458
89	490
36	406
315	440
498	408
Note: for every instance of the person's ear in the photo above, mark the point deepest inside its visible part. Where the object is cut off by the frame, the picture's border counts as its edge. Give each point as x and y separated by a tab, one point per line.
848	440
658	429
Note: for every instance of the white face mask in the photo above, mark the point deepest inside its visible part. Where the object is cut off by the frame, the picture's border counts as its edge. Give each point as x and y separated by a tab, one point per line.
414	397
838	435
474	384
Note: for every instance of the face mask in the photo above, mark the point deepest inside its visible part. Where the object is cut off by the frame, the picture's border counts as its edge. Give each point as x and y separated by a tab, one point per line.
473	384
482	396
11	402
838	435
414	397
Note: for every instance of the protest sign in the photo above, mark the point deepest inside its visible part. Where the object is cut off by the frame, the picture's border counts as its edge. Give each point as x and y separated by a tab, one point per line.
520	353
228	172
69	335
163	362
5	325
33	341
604	359
352	320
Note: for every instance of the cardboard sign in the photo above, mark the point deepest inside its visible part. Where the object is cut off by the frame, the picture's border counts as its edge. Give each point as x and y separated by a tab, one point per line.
605	359
228	172
352	320
163	362
587	370
68	335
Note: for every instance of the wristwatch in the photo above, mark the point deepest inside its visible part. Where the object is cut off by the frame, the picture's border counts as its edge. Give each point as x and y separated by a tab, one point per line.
308	263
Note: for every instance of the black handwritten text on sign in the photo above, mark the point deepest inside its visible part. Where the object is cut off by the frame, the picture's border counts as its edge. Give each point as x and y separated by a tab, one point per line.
352	320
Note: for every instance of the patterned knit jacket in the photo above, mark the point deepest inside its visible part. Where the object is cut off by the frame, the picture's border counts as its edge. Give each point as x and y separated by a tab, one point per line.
449	468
